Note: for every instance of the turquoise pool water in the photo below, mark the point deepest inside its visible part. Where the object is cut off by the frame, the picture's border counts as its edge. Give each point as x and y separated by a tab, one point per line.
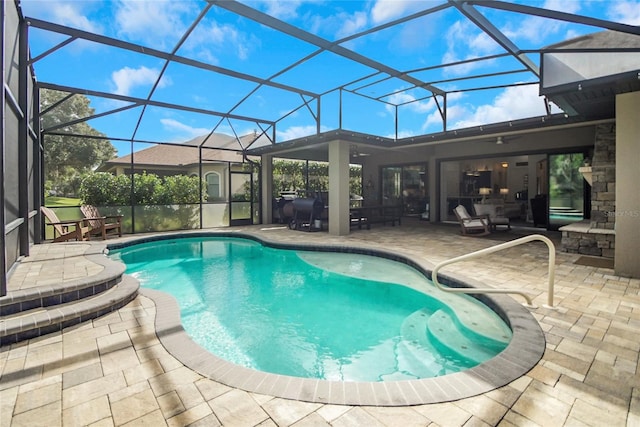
326	315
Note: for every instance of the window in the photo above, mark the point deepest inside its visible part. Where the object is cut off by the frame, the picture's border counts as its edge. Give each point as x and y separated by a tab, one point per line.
213	186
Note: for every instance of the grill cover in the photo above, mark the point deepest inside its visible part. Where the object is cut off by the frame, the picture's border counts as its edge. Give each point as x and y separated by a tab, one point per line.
308	205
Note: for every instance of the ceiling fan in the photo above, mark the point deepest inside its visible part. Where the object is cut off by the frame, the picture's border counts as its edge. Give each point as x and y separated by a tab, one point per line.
501	140
356	153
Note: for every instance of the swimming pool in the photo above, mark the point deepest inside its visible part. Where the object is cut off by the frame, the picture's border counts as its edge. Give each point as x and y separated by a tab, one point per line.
408	325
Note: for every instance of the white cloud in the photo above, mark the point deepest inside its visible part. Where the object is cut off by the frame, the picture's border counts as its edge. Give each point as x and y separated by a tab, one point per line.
571	34
127	78
627	12
71	14
282	9
536	29
338	26
513	103
68	14
162	23
401	134
435	119
283	113
210	38
351	23
185	132
154	22
410	102
533	29
294	132
453	111
386	10
562	5
465	41
481	42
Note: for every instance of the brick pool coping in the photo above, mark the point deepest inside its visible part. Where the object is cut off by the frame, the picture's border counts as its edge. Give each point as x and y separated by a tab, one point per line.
521	355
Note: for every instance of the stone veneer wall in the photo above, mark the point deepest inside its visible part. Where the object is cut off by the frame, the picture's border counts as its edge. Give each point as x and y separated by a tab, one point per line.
603	189
597	236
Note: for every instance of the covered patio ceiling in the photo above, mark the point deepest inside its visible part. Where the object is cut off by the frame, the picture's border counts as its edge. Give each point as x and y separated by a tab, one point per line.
310	76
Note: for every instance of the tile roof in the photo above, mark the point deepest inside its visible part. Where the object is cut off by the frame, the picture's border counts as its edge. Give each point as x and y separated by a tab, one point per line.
187	153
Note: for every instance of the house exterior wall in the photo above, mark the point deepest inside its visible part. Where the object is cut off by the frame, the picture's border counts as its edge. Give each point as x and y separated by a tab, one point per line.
575	67
535	145
627	201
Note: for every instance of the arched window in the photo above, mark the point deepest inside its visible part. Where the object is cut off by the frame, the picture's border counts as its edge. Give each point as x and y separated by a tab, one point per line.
213	186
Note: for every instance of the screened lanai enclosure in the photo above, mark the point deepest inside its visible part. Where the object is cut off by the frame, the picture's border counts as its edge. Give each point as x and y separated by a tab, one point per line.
177	114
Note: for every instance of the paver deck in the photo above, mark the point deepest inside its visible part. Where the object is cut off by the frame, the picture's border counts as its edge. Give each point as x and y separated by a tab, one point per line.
114	371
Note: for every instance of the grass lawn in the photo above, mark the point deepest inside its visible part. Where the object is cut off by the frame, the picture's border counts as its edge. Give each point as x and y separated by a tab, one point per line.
65	208
53	202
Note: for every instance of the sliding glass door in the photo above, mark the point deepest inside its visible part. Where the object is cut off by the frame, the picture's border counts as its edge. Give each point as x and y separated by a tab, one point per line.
406	186
566	189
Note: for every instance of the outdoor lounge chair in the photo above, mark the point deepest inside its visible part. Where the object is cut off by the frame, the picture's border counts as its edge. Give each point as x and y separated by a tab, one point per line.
63	231
478	225
101	225
495	213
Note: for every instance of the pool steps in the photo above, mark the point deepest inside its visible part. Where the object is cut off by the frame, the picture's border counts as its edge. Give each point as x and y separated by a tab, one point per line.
444	330
465	308
32	312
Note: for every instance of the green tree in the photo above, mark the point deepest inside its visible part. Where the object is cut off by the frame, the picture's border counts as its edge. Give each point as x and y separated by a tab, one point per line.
105	189
67	158
147	189
182	189
97	189
290	175
566	182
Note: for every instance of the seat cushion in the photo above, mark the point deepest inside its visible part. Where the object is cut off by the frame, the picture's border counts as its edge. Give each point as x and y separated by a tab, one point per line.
475	223
500	221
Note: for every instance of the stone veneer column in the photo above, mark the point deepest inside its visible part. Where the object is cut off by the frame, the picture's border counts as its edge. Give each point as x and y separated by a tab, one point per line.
597	236
603	189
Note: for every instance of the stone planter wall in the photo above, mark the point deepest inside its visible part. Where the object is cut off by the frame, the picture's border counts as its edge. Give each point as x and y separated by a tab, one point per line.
581	238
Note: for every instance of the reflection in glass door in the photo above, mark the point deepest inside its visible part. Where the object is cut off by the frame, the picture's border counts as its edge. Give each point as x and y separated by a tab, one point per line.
241	198
406	186
566	189
391	185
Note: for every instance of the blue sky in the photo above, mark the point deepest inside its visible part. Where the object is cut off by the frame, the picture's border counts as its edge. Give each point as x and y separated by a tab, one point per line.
228	40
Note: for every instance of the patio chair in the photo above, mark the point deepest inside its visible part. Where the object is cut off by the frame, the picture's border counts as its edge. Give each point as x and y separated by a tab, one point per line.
476	225
495	213
101	225
63	231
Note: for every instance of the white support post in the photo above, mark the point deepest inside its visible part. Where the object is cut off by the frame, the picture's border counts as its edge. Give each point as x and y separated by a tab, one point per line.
339	222
266	178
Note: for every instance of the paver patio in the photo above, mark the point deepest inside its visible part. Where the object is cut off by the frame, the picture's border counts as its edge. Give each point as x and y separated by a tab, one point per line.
114	371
